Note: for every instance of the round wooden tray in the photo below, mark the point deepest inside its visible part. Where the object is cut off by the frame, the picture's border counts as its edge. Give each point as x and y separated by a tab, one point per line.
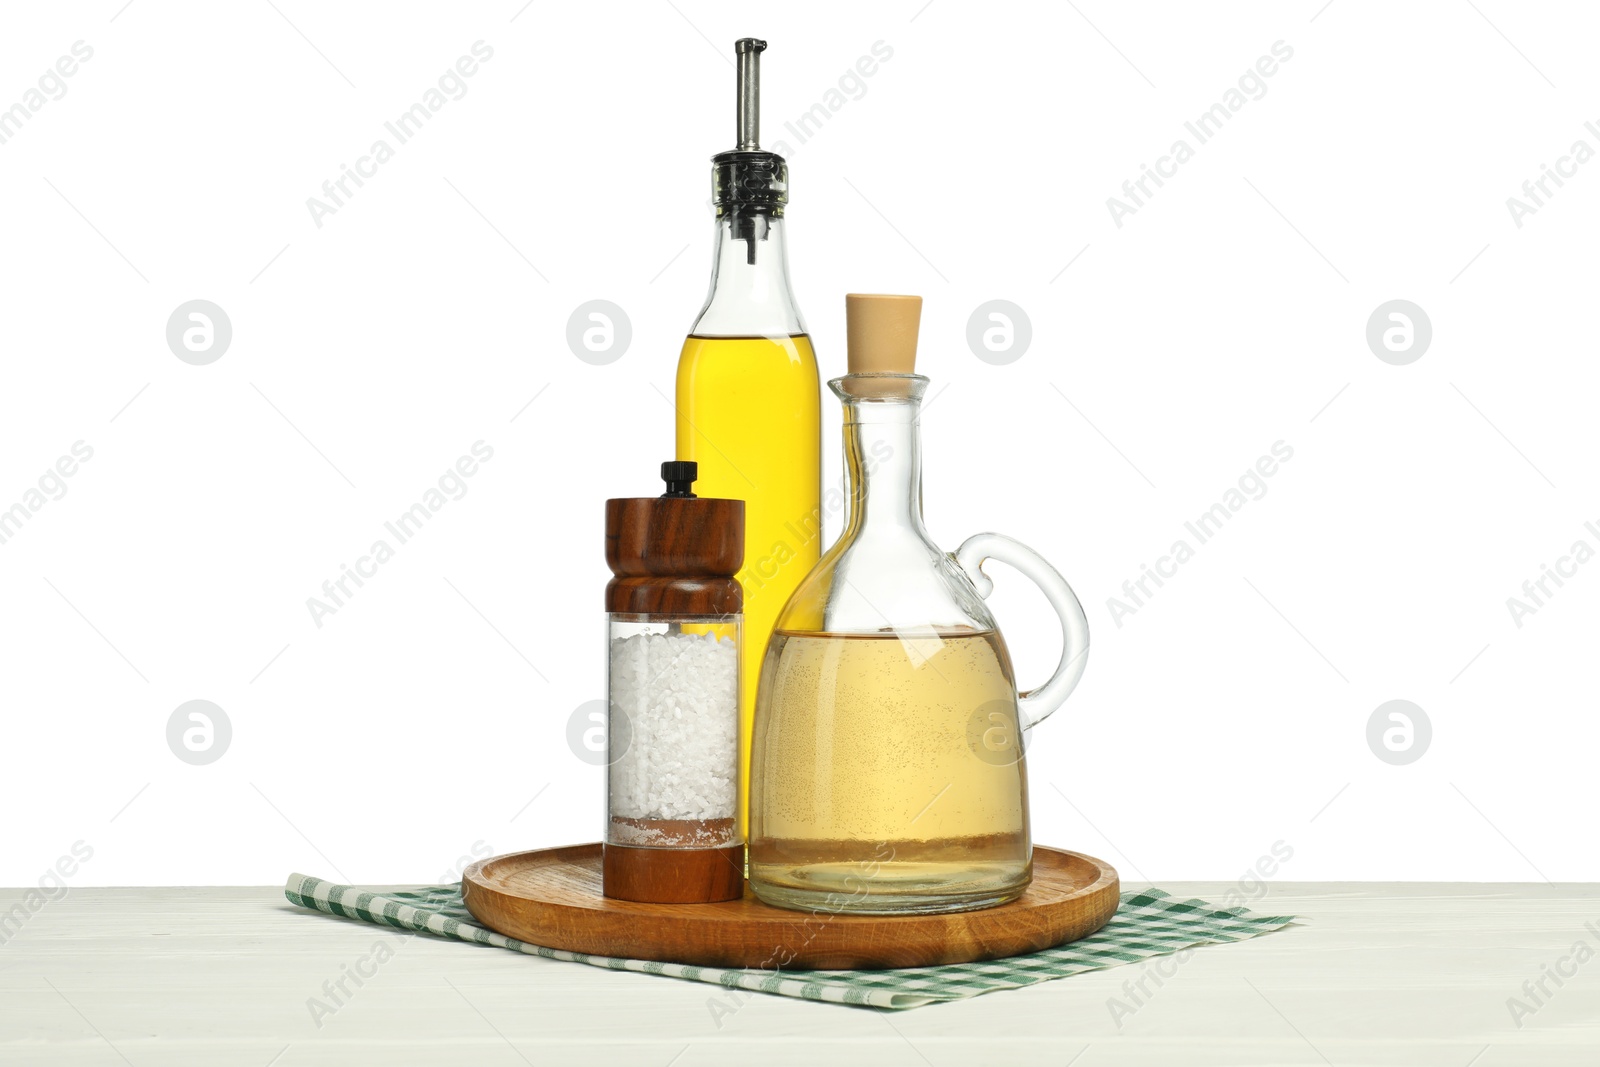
552	897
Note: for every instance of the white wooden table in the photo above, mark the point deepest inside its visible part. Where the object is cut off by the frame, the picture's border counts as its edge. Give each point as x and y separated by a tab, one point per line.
1401	974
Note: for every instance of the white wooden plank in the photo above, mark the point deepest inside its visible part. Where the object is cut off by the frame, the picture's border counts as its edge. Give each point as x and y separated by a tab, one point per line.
1380	974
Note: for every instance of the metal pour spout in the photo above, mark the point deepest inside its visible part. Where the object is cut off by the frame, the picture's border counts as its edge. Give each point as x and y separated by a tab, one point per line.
749	186
749	50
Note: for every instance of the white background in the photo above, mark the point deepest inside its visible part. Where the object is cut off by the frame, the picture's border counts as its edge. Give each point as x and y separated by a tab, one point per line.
1229	313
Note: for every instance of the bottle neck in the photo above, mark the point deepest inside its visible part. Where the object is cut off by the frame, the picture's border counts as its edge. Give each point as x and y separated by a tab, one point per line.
750	294
883	468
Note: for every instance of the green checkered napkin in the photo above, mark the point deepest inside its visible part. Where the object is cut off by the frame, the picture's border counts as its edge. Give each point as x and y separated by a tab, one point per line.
1148	923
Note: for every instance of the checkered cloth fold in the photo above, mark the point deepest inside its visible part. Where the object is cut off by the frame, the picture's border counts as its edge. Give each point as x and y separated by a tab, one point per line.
1148	923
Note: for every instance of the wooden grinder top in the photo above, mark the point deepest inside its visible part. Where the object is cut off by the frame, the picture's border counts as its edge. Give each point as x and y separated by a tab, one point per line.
674	554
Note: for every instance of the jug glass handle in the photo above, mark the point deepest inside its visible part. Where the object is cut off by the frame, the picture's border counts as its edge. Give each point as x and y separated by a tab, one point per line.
1036	704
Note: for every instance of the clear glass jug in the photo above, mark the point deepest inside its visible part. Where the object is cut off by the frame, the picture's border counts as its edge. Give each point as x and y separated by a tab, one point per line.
887	771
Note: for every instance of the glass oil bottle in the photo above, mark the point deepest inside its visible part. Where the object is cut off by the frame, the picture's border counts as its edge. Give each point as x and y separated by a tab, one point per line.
887	771
748	394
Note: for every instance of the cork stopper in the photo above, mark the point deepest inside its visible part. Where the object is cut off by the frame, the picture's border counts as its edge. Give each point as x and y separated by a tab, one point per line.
882	332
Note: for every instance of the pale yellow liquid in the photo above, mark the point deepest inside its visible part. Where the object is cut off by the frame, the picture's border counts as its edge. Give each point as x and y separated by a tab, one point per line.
888	774
749	414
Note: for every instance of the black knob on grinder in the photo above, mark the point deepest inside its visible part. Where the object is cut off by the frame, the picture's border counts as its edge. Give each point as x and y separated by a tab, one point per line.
679	474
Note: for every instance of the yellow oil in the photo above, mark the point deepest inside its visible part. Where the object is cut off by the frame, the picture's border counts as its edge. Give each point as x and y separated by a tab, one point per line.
748	415
887	774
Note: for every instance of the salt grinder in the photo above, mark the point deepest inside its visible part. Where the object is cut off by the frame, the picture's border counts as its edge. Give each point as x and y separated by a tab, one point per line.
672	778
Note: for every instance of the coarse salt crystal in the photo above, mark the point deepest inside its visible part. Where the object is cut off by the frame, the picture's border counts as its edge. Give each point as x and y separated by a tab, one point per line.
679	693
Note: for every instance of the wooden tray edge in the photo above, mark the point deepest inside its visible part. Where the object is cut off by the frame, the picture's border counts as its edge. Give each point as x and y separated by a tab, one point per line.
488	905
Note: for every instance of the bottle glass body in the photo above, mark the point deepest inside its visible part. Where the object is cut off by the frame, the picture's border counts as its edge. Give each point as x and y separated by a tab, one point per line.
672	737
748	413
887	773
